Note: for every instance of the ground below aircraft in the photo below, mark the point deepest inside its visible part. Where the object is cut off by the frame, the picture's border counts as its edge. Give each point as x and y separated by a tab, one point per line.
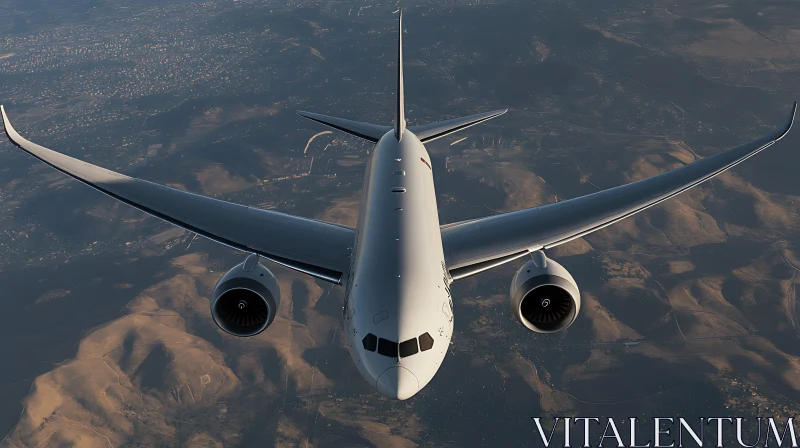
397	265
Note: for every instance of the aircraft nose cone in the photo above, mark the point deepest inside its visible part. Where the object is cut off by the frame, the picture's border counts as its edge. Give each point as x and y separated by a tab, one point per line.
398	383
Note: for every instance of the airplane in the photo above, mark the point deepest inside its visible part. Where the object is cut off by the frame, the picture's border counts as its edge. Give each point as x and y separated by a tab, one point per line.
398	263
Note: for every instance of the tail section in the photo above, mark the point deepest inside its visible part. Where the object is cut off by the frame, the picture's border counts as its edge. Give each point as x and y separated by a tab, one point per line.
426	132
400	113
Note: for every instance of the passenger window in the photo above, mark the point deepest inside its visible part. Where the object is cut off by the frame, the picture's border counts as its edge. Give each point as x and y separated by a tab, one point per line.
425	342
399	172
387	348
370	342
408	348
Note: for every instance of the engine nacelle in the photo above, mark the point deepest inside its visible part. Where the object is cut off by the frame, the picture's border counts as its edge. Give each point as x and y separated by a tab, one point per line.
246	299
544	296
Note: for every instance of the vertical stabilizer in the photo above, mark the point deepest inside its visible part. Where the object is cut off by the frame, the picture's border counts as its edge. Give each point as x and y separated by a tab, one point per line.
400	116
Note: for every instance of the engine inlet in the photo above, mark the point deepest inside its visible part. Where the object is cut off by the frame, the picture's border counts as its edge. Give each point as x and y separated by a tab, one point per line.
241	311
548	307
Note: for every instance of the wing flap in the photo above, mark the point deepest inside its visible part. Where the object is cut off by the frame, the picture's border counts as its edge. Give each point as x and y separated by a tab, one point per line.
480	241
314	247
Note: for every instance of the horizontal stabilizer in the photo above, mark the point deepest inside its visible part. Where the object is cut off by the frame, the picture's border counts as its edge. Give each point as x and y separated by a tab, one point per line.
371	132
432	131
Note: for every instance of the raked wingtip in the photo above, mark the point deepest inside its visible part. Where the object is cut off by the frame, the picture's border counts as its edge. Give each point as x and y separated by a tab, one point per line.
6	123
789	123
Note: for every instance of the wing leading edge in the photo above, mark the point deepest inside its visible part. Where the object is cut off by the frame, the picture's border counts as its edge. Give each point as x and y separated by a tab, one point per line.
313	247
477	245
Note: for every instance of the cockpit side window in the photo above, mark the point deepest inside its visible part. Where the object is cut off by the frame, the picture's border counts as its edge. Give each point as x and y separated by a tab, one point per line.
387	348
370	342
425	342
408	348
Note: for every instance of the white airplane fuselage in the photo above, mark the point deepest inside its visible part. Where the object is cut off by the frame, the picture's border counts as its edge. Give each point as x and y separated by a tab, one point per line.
398	286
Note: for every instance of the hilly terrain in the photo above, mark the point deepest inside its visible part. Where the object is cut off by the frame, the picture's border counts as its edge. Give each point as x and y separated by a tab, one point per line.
689	309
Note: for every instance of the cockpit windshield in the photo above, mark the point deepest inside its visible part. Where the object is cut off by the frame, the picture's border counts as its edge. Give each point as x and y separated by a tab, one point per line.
387	348
409	348
392	349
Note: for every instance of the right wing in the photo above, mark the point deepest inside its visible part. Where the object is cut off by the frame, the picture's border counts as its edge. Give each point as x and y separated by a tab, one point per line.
313	247
477	245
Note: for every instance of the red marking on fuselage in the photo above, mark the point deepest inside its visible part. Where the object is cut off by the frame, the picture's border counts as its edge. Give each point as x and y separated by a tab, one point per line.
426	163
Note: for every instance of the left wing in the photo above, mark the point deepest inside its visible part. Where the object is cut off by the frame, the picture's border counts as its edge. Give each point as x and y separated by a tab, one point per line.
477	245
313	247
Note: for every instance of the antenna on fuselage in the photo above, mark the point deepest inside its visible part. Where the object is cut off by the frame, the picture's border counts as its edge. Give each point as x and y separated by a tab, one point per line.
400	116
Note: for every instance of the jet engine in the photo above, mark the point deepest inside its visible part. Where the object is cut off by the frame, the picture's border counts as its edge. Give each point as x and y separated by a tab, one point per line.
245	299
544	296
